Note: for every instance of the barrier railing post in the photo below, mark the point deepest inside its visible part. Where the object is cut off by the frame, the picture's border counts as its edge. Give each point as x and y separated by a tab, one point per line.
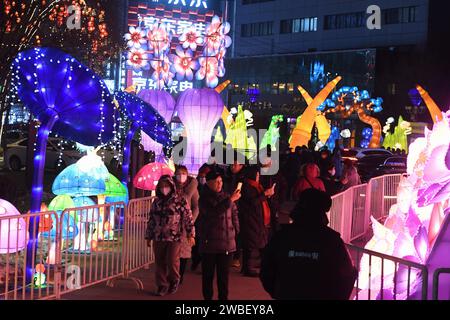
367	207
436	275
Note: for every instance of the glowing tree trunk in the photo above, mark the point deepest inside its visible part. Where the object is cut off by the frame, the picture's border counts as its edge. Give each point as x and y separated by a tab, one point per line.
48	121
376	127
126	152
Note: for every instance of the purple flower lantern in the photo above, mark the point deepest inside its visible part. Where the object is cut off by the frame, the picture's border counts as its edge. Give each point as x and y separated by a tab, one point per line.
199	110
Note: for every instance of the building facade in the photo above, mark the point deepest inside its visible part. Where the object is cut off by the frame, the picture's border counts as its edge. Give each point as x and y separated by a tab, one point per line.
280	44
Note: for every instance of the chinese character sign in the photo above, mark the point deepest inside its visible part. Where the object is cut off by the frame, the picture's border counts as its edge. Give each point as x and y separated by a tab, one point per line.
200	53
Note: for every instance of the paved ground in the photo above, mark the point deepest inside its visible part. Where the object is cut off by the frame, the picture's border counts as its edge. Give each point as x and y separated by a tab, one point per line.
241	288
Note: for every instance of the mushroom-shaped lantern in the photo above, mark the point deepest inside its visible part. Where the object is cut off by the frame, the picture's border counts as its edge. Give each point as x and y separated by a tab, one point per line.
73	182
115	192
147	178
13	231
144	116
87	217
68	99
199	110
164	103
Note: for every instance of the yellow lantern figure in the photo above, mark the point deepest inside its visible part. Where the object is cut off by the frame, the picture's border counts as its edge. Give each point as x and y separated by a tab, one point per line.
302	132
435	112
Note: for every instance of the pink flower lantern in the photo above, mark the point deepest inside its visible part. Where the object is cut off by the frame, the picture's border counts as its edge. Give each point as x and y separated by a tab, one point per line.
199	110
13	232
147	178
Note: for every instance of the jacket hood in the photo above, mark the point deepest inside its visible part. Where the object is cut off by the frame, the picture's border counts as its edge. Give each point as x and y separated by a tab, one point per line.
169	180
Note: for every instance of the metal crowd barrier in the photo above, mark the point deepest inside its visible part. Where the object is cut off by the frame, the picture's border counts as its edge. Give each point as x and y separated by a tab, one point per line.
351	210
409	279
90	256
14	236
137	254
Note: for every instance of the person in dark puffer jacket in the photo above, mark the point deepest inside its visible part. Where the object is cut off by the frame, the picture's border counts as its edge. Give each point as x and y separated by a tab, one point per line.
254	219
170	218
308	260
218	226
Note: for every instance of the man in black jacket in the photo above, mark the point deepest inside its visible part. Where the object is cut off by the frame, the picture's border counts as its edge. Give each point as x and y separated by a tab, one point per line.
308	260
218	226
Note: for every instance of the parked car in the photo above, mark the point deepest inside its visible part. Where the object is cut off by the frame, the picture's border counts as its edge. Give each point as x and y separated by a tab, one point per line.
393	165
16	155
367	166
363	152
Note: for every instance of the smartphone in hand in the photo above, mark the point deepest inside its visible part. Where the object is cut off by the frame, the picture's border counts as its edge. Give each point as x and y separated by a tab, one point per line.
239	186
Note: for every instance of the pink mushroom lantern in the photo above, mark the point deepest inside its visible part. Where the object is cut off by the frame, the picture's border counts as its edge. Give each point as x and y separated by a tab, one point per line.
164	103
199	110
147	178
13	231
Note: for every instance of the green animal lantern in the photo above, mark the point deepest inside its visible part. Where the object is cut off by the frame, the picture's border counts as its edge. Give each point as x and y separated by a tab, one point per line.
399	139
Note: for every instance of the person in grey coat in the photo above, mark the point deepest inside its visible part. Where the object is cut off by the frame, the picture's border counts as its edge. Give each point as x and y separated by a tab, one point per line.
188	188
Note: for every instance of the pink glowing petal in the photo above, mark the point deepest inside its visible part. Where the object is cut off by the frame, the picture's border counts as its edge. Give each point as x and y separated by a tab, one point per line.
443	194
189	74
199	40
425	196
412	222
183	37
421	243
226	27
227	41
403	246
435	168
180	52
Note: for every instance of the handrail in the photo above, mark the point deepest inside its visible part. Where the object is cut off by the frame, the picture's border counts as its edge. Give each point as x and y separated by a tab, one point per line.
436	275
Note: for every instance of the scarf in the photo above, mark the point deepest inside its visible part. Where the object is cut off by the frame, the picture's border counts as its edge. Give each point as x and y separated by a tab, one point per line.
265	204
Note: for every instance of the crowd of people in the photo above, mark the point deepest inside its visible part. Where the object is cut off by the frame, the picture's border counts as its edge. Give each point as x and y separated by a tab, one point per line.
228	217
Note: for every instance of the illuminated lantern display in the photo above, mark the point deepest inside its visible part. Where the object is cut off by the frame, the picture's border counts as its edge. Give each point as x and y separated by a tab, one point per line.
69	100
237	135
367	135
115	192
435	112
61	203
302	132
147	178
88	220
177	47
69	231
398	139
335	135
144	116
199	110
76	183
417	228
164	104
349	100
13	232
273	133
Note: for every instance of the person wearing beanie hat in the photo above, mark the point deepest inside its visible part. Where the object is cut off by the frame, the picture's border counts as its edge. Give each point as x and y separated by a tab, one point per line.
307	260
255	219
218	225
170	218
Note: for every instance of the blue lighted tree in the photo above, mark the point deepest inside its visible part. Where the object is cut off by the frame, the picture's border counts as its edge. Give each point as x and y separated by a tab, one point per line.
349	100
